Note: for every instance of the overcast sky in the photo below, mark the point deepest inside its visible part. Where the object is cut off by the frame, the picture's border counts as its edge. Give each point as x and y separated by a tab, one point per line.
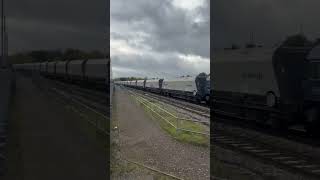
159	38
53	24
270	21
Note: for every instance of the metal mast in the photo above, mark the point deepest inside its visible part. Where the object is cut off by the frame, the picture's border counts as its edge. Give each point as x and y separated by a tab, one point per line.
3	63
5	40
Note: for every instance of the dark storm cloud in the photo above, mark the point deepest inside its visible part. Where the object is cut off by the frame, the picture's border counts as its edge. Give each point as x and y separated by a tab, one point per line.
171	28
269	21
147	29
139	65
44	24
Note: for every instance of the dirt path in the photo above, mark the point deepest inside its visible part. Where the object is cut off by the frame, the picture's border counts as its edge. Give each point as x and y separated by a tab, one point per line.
142	140
47	141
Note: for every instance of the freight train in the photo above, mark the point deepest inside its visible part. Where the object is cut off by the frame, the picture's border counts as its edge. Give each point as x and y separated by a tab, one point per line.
93	72
278	86
186	88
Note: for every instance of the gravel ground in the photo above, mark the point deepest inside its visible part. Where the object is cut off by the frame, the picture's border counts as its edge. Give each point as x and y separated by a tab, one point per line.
49	141
142	140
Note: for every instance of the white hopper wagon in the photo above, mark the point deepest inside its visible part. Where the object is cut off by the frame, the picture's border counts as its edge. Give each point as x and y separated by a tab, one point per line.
271	86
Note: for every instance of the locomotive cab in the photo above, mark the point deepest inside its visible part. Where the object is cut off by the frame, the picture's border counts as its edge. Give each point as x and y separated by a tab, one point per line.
311	90
144	83
290	68
312	81
203	87
299	81
161	83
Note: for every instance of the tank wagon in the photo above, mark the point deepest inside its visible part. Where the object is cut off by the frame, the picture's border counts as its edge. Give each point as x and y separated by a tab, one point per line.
278	86
190	89
93	72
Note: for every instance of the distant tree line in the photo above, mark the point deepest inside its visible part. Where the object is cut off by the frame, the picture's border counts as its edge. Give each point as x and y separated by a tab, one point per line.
183	76
55	55
298	40
295	40
139	78
128	78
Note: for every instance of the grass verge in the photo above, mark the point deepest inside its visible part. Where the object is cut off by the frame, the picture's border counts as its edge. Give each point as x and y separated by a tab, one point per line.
168	119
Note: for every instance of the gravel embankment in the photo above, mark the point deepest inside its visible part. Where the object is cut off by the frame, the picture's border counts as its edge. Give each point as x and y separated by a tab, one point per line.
142	140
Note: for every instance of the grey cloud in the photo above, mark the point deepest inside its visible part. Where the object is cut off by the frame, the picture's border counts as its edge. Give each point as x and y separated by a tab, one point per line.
44	24
270	21
170	28
166	32
168	65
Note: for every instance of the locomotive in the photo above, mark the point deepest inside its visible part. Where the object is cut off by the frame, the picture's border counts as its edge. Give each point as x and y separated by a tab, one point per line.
279	86
186	88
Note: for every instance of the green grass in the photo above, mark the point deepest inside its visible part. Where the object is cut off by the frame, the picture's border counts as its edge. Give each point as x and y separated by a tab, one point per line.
173	118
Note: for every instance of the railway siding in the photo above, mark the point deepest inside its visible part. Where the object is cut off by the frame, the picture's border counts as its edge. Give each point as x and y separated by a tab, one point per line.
122	168
182	129
229	163
6	96
63	135
265	159
143	141
184	109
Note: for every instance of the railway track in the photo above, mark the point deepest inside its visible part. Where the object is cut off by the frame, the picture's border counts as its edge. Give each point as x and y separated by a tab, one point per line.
291	150
91	105
175	98
3	143
7	92
199	110
282	158
165	174
94	99
292	134
171	176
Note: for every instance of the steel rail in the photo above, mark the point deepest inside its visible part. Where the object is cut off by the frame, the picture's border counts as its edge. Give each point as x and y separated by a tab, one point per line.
153	169
185	119
290	161
87	107
143	101
177	103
